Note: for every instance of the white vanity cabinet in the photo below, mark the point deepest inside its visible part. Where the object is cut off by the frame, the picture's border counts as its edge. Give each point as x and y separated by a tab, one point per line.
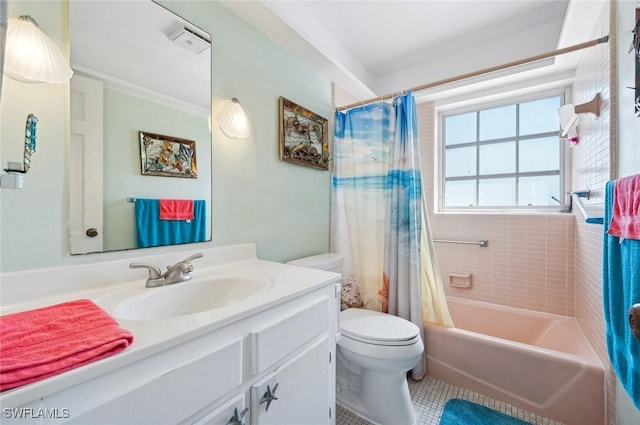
291	367
287	347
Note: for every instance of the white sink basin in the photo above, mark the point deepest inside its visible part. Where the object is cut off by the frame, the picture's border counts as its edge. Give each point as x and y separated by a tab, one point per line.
191	297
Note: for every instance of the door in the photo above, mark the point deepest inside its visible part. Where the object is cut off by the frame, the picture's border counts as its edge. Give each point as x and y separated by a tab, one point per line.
85	166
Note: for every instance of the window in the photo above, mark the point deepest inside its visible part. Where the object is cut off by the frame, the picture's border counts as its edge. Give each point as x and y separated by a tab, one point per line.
504	157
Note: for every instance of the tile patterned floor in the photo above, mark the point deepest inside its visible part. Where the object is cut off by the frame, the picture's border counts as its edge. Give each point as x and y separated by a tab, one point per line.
429	397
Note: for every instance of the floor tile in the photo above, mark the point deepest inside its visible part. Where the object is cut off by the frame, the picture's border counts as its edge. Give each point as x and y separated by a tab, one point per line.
429	397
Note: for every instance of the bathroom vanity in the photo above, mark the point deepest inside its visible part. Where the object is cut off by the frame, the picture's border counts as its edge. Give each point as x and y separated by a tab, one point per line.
264	354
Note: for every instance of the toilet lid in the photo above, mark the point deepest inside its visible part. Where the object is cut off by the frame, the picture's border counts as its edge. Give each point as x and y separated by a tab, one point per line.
374	327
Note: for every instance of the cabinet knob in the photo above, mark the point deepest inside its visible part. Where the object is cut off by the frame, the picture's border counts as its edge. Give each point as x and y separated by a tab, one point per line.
92	232
269	396
238	418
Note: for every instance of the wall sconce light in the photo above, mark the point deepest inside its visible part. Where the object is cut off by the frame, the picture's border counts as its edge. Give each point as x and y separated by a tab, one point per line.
233	121
31	56
569	116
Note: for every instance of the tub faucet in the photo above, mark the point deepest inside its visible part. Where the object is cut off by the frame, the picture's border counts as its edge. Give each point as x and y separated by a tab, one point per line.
179	272
565	208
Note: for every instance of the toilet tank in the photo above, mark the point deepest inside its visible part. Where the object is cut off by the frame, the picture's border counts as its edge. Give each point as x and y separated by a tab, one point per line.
330	261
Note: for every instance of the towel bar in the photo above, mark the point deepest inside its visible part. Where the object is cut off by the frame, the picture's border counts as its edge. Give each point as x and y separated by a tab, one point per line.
482	242
575	196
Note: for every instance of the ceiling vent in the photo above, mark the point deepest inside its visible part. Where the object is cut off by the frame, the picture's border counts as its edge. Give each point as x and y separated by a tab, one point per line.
188	38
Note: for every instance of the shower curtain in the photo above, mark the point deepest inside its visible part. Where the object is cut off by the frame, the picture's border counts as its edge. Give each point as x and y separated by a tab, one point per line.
376	213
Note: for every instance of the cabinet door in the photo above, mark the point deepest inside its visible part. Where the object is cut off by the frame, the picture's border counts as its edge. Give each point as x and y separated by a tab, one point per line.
298	392
223	415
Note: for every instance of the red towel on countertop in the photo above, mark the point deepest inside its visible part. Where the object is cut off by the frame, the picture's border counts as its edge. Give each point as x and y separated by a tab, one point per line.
43	342
176	209
625	219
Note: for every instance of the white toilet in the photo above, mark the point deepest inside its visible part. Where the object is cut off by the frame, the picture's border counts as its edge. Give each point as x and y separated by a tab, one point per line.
374	353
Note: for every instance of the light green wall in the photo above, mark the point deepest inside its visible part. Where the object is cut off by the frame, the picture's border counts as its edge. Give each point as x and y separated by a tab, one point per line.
124	116
282	207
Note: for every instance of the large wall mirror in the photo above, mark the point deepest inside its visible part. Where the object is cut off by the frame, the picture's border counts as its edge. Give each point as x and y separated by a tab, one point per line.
138	69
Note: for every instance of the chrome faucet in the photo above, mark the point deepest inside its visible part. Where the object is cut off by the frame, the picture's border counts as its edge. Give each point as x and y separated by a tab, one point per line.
179	272
565	208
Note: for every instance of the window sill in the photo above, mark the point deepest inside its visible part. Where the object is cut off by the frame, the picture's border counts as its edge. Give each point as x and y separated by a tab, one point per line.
554	213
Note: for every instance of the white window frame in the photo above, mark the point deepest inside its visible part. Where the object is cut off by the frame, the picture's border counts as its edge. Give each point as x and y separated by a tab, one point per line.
564	161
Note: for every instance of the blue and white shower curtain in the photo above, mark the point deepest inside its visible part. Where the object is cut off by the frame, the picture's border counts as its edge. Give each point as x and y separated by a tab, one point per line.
376	209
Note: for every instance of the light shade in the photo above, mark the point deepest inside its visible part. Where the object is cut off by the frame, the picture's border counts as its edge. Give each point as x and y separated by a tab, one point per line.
233	121
31	56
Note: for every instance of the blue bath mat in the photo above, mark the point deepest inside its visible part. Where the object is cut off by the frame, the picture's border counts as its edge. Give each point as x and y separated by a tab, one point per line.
462	412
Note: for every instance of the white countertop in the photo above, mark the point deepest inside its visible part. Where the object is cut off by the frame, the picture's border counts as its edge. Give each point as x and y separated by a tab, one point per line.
150	336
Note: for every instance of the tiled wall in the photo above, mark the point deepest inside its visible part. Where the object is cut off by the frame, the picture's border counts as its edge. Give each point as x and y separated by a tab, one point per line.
528	263
593	164
591	168
529	259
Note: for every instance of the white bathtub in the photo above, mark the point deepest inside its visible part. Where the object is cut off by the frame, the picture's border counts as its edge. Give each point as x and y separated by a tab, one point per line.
536	361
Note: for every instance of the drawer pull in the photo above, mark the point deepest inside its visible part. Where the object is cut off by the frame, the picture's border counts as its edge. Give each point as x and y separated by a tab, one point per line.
269	396
238	418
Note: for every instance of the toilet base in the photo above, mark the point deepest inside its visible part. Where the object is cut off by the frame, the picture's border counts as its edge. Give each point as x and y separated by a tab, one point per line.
383	399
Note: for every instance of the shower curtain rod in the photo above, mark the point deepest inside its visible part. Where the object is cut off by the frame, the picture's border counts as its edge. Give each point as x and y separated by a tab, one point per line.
535	58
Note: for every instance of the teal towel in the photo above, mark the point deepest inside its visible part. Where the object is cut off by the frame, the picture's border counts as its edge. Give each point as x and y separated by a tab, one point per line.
621	289
151	231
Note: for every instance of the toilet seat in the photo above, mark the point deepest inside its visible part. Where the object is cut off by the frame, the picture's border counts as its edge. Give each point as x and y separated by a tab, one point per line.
374	327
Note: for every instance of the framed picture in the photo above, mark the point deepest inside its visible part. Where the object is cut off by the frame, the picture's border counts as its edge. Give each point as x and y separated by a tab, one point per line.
167	156
303	136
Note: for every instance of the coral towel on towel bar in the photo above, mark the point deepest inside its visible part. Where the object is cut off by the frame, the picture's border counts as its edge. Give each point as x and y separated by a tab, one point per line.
43	342
176	209
625	220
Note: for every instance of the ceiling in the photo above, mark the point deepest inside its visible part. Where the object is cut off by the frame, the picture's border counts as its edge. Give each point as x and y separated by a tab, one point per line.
375	47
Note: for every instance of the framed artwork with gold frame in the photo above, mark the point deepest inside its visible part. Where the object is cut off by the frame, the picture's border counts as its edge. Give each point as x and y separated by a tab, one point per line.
303	136
167	156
